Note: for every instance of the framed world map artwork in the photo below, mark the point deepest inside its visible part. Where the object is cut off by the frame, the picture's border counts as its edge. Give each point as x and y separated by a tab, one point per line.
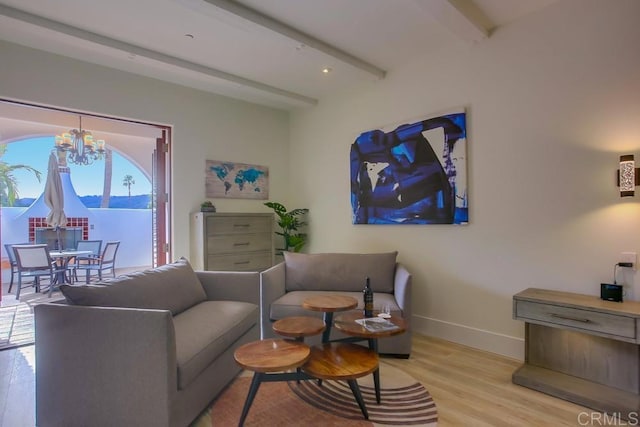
236	180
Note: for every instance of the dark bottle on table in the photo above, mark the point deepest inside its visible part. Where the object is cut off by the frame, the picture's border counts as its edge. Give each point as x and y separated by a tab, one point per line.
368	299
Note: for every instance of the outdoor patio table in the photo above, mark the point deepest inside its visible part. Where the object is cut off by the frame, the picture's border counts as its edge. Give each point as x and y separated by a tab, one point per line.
62	259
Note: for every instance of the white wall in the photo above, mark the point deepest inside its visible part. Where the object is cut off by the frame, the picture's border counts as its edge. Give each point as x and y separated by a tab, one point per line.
131	227
552	101
205	126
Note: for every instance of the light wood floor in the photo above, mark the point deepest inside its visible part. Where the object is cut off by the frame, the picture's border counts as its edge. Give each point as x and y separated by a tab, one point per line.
470	388
17	387
473	388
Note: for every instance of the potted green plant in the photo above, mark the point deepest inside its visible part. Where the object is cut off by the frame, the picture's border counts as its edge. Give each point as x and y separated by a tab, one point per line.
290	222
207	206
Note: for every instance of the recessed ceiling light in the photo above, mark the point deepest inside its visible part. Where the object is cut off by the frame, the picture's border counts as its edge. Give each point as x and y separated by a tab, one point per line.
327	70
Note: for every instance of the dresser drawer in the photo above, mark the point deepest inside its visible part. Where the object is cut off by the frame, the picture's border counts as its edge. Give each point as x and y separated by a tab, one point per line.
232	243
587	321
256	261
238	224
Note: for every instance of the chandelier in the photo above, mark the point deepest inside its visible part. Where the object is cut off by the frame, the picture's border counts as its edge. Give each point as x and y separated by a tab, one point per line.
79	146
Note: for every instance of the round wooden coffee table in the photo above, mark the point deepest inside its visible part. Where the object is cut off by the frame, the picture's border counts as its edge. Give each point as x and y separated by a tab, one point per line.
346	323
329	304
342	361
271	355
298	327
269	359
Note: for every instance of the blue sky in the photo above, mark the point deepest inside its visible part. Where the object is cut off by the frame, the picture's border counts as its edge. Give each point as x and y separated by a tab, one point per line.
87	180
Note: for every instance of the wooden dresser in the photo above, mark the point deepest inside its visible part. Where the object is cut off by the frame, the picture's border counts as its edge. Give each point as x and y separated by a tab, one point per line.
232	241
582	349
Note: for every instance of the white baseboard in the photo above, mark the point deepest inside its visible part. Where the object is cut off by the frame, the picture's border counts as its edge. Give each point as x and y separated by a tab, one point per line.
477	338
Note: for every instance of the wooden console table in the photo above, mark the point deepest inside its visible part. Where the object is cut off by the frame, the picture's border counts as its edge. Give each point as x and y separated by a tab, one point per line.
581	349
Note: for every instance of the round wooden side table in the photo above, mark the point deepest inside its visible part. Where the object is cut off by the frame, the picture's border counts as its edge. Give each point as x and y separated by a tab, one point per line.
342	361
329	304
271	355
298	327
346	323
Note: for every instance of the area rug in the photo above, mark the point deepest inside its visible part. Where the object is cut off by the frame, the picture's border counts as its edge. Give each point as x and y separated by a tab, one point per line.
16	326
404	402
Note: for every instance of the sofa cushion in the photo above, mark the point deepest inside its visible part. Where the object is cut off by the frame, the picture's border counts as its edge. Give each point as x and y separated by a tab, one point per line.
205	331
173	287
339	271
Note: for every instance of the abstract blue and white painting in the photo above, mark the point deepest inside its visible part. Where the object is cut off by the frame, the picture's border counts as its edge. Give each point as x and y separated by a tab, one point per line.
236	180
411	173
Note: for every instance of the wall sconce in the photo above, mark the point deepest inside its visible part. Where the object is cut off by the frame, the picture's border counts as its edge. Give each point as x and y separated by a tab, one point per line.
628	176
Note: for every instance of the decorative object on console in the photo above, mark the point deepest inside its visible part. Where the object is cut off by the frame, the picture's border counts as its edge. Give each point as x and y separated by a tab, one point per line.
207	206
413	173
290	223
628	176
611	292
614	291
236	180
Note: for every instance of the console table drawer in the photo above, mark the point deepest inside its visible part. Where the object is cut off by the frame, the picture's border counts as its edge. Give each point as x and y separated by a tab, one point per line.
587	321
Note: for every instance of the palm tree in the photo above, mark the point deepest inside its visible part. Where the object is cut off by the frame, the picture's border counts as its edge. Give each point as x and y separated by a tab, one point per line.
108	170
8	182
128	181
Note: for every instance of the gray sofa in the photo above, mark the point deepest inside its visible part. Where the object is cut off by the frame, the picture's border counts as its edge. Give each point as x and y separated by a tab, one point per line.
285	286
152	348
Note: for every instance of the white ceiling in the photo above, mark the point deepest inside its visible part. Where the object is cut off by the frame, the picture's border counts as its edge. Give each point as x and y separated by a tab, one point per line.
266	51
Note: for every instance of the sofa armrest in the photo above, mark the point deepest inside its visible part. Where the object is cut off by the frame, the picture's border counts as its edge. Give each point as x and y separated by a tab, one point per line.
231	285
402	290
272	287
103	363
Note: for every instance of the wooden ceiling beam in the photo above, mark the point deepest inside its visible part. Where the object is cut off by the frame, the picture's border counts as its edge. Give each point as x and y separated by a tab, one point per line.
264	21
461	17
129	48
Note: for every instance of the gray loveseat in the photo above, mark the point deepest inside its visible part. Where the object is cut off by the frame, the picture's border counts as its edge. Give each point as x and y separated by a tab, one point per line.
284	287
151	348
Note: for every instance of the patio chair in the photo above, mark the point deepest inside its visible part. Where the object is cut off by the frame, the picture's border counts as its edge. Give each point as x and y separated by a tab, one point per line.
12	260
95	246
107	261
34	261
